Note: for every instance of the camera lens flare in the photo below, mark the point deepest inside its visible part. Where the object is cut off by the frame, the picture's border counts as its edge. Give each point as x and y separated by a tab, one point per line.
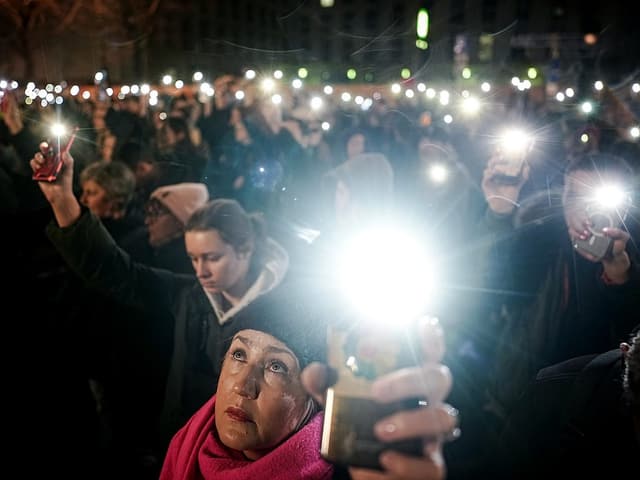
515	141
58	129
386	275
470	106
610	196
438	173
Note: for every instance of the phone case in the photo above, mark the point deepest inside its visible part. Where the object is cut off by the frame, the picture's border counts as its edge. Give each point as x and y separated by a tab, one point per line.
597	245
53	161
350	412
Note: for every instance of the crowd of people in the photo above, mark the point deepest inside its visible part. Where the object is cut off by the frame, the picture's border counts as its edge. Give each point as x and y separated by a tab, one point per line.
172	288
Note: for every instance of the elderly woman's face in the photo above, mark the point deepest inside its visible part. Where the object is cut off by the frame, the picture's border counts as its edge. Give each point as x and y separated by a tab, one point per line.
96	199
260	400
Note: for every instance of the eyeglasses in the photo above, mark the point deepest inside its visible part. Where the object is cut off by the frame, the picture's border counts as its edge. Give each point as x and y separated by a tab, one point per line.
155	209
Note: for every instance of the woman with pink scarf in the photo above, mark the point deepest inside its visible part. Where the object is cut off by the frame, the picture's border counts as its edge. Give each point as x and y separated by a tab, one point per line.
261	423
265	420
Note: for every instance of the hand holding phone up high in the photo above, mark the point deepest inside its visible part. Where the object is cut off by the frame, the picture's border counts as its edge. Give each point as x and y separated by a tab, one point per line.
59	193
433	424
501	185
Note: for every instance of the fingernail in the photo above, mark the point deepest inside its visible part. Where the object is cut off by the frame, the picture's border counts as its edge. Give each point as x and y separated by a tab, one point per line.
452	435
452	411
386	460
384	429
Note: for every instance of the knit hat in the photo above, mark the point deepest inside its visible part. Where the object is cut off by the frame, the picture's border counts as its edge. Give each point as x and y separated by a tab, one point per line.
293	319
182	199
369	177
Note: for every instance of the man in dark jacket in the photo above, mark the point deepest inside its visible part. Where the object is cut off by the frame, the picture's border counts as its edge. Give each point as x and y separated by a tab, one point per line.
558	301
578	417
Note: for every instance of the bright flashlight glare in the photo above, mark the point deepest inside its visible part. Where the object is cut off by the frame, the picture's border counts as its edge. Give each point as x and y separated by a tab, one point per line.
586	107
316	103
58	129
610	196
634	132
515	141
268	85
471	106
438	173
385	274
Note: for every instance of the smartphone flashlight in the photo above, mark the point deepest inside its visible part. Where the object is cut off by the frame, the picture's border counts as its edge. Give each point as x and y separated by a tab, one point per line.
515	142
438	173
607	209
384	273
53	155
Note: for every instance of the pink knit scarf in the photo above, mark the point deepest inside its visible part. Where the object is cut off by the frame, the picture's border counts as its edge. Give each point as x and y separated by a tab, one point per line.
196	453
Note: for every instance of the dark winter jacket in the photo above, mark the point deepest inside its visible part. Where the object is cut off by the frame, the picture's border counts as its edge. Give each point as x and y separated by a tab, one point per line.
177	303
572	421
554	304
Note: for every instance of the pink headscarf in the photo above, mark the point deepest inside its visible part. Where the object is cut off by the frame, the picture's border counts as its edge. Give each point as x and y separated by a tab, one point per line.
196	453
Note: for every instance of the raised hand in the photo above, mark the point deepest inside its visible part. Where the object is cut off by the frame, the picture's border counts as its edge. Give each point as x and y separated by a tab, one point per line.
59	193
434	424
503	196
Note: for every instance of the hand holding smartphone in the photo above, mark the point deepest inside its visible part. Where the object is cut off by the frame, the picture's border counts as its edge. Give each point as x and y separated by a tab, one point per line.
53	159
598	245
513	148
358	357
4	102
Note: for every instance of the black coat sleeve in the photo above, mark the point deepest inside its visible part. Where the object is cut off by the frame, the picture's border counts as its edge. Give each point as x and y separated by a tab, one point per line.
91	252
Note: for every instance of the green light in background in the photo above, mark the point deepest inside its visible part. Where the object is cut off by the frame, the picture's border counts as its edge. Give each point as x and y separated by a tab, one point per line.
405	73
303	72
351	74
422	24
466	73
422	44
532	73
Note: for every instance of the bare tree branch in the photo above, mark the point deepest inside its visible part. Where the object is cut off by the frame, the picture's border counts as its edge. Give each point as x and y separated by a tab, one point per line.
70	17
13	12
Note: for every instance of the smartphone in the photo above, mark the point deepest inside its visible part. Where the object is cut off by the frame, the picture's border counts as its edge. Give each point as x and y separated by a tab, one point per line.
350	412
53	160
598	245
4	102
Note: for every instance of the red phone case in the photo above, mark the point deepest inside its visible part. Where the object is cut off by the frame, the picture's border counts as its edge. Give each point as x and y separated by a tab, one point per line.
53	161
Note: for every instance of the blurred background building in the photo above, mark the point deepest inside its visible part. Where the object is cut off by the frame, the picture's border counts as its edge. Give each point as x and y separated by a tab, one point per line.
142	40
